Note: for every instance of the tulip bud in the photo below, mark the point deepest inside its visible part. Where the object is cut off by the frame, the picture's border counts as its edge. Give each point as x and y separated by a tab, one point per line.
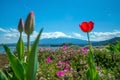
29	24
20	25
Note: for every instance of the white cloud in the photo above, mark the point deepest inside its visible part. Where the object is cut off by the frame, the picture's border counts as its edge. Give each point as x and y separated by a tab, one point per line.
77	35
4	30
13	30
12	35
100	36
47	35
33	35
55	35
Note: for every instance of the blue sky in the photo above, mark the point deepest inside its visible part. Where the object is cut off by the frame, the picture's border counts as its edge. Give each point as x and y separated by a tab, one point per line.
60	18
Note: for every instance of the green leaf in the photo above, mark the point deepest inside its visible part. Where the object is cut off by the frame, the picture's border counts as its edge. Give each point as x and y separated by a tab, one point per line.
20	49
92	73
33	59
15	64
118	46
2	76
9	76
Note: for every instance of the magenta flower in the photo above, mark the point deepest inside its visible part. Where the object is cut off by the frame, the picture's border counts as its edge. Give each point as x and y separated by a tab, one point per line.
67	63
84	50
60	73
66	69
64	47
63	63
60	63
48	60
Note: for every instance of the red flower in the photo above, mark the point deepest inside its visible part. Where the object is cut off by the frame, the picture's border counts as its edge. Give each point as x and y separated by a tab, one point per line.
86	26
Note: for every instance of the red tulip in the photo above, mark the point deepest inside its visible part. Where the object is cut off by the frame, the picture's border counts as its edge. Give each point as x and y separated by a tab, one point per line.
86	26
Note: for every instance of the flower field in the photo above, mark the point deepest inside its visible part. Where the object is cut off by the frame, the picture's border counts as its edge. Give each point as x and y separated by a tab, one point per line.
70	63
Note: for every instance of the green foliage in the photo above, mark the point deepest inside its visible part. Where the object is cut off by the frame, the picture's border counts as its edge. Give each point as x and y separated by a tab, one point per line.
24	70
106	60
2	76
107	68
114	48
92	73
20	49
118	46
15	64
33	60
24	67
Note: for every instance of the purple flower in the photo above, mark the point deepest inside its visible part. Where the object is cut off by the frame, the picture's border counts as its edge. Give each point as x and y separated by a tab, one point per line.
48	60
60	73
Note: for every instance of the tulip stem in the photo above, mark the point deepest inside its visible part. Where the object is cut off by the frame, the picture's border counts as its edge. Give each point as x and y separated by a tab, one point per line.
20	34
20	46
28	44
88	38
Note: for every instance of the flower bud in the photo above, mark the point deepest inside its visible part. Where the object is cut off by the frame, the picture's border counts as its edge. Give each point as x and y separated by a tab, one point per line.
29	24
20	25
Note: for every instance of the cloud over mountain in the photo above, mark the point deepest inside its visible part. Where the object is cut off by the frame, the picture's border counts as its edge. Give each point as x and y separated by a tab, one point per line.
100	36
11	35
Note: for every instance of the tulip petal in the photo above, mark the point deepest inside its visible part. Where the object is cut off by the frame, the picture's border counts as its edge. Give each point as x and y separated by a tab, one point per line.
91	24
84	26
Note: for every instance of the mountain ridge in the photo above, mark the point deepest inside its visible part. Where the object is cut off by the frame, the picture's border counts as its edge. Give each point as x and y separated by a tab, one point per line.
60	41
